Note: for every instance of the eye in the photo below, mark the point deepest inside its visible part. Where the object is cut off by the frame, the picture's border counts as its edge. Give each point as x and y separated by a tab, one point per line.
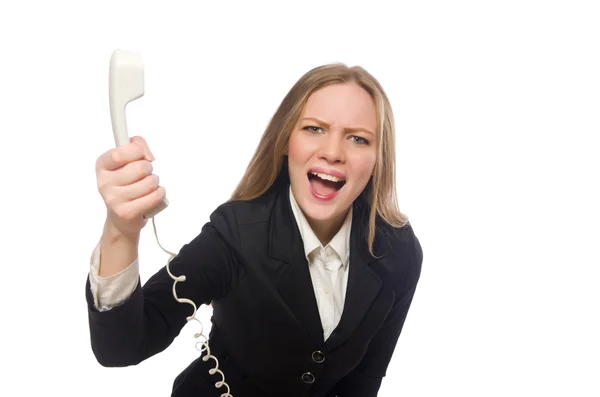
359	140
313	129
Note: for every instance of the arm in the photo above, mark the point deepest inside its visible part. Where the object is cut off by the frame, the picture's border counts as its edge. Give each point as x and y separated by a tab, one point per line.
109	292
113	273
365	380
150	319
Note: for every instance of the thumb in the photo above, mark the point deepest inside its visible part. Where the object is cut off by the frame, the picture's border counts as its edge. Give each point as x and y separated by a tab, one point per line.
138	140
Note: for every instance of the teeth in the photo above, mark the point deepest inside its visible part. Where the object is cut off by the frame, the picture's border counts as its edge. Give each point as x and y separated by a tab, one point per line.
326	177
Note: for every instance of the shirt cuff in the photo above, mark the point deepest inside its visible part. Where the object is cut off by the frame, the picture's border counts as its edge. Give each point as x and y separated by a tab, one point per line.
109	292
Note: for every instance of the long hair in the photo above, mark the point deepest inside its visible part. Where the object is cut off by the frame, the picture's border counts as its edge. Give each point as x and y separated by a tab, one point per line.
268	159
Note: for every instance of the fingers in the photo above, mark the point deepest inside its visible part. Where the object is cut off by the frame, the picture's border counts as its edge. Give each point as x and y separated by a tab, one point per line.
138	140
127	202
130	173
141	188
133	210
118	157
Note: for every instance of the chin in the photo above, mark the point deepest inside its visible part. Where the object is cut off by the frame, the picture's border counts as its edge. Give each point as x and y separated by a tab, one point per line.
320	209
318	213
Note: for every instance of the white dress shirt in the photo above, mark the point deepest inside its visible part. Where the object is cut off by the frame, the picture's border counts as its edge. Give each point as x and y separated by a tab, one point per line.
328	268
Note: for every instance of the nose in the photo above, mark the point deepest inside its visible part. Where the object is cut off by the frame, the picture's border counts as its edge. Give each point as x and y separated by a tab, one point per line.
332	149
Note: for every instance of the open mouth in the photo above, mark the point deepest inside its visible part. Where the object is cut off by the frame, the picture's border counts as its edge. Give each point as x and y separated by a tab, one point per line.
324	184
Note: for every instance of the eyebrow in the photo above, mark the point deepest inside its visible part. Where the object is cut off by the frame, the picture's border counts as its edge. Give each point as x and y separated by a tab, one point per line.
347	129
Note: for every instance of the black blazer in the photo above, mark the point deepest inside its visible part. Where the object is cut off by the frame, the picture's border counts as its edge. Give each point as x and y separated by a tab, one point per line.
248	262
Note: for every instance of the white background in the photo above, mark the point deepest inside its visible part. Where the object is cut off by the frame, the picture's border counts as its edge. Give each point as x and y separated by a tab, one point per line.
497	109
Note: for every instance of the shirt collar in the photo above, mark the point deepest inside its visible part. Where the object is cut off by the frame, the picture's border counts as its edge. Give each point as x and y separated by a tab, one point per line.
340	243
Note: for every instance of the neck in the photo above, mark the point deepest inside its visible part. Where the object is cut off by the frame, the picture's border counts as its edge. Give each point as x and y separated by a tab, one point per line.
326	230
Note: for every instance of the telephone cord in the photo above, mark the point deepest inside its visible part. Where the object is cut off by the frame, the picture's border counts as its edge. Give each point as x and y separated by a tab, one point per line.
202	346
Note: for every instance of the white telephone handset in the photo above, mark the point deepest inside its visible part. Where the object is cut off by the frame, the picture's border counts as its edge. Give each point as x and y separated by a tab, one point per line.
126	84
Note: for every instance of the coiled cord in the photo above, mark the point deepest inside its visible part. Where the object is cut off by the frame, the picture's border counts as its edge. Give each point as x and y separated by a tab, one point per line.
202	346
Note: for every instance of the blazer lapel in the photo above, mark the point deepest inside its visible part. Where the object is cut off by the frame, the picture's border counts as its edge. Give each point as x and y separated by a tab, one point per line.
292	276
363	283
294	282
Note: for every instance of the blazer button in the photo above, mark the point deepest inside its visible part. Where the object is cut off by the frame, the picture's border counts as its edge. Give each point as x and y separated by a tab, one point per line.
308	377
318	357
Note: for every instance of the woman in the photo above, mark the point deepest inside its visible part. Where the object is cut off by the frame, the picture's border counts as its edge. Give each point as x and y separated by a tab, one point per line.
310	267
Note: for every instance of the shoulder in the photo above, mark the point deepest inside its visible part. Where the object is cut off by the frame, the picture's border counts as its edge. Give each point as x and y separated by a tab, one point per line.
401	249
401	240
229	217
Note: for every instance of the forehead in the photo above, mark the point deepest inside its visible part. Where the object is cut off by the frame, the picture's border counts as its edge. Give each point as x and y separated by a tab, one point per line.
343	105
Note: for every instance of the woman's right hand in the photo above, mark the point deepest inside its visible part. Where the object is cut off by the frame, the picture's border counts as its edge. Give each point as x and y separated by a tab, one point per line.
128	186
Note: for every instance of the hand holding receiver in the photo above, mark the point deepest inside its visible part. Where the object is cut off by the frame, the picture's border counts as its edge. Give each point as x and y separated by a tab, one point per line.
128	186
126	84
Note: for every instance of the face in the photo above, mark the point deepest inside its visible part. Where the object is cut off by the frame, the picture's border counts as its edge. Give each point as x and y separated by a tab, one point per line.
332	151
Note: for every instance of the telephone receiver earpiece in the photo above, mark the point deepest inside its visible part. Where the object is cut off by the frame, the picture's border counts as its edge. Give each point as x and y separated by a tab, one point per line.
126	84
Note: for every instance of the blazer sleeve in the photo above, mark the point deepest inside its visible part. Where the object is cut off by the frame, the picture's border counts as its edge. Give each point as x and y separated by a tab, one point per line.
150	319
365	380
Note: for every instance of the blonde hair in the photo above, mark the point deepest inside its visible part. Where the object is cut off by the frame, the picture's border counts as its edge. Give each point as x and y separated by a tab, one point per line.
267	162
